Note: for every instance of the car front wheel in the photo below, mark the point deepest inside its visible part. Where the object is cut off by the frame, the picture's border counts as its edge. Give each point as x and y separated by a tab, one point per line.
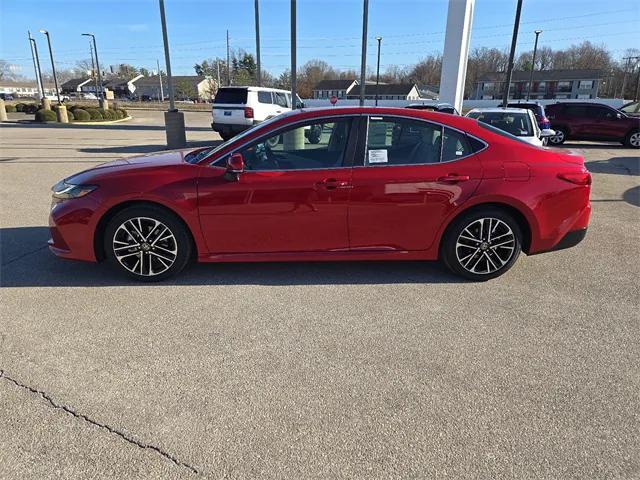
482	245
559	138
147	243
633	139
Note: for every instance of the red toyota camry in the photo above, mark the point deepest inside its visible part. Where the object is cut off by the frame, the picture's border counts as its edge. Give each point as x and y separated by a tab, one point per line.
329	184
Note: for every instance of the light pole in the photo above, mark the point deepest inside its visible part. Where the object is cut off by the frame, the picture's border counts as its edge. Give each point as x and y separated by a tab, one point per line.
363	61
173	119
36	65
379	39
53	66
512	53
257	18
95	52
533	62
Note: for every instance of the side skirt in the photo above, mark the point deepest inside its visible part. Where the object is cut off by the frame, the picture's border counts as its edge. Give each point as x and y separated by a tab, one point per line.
319	256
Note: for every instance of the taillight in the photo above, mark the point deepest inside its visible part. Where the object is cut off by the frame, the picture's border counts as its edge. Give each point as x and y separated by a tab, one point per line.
248	112
579	178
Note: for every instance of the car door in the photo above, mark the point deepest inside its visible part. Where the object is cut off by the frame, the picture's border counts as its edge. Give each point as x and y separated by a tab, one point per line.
410	176
606	123
291	197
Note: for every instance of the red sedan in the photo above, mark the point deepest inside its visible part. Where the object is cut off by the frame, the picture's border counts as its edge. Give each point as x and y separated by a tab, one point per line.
368	184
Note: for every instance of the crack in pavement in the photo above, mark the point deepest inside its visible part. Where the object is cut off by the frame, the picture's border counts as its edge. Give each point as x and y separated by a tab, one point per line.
21	256
103	426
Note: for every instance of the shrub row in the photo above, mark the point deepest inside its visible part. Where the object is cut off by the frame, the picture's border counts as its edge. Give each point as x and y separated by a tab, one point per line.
10	108
27	107
43	115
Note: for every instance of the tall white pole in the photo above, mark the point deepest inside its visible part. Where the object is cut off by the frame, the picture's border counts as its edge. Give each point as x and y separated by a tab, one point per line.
456	52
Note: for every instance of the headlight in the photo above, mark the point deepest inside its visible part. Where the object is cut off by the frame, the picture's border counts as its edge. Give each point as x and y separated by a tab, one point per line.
63	190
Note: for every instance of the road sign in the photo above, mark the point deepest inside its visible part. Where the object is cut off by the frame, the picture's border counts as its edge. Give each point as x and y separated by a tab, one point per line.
333	99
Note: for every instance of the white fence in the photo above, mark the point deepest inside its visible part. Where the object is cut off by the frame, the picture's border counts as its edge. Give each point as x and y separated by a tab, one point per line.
466	105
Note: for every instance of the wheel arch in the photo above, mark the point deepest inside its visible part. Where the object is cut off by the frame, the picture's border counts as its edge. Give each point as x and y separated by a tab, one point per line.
98	244
523	222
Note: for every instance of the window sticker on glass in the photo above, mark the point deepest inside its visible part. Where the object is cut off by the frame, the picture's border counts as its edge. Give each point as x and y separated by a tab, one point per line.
378	156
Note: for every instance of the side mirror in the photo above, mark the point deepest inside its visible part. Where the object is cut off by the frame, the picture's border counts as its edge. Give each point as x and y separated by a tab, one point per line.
235	163
546	133
618	115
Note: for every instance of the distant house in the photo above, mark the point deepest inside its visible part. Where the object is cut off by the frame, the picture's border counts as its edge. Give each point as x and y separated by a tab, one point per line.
547	84
121	87
329	88
74	85
186	87
25	89
388	91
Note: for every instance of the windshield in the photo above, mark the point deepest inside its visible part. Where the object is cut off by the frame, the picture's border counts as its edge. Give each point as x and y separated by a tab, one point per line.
631	108
516	123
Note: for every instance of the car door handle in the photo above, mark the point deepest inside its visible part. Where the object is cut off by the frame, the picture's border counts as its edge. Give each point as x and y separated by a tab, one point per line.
454	178
333	184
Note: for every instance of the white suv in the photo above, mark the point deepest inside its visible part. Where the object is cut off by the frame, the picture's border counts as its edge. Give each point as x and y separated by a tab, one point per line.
238	108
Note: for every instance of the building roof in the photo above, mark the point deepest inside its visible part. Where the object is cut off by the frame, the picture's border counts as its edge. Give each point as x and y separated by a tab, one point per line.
115	82
74	83
334	84
153	81
543	75
22	84
390	89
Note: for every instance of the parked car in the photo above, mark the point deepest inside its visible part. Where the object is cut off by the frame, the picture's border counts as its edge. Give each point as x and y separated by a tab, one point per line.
519	122
632	109
6	96
236	109
438	107
54	97
382	184
592	121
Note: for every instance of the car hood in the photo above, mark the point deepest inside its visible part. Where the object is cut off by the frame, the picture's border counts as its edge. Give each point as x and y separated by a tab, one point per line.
141	162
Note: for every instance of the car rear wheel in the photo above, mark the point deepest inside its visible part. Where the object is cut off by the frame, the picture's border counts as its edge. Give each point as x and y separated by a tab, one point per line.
147	243
633	139
559	138
482	245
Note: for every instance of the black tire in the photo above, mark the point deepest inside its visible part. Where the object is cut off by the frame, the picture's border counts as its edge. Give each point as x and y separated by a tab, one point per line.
155	252
315	133
226	136
273	142
468	258
632	140
559	138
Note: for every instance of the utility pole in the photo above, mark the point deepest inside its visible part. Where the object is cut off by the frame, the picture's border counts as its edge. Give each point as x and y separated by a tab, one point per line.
533	62
294	66
379	39
53	65
173	119
93	68
228	64
101	99
36	65
512	53
160	79
363	60
218	68
258	71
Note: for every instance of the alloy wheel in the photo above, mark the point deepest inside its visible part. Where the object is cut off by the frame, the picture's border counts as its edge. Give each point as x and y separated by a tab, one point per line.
485	246
634	139
145	246
558	137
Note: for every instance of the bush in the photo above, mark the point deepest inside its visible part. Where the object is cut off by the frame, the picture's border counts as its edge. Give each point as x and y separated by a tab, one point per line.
45	116
70	116
110	115
95	115
81	115
124	112
10	108
20	107
31	108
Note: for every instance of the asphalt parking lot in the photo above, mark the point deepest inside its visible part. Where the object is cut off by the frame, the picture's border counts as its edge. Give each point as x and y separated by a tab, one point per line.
338	370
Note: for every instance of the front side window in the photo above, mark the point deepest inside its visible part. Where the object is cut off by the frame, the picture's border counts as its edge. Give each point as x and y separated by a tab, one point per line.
312	146
280	99
400	141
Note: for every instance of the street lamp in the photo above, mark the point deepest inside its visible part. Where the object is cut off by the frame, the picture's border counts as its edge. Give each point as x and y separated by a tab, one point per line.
95	52
36	65
53	66
379	39
533	62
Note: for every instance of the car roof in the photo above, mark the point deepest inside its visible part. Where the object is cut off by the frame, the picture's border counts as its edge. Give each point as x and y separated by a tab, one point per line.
255	89
500	110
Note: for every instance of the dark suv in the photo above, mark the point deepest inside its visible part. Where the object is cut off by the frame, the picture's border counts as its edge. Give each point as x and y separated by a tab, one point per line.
592	121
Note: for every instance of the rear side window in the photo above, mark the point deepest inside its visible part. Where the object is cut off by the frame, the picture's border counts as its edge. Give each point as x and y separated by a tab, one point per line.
575	111
234	96
454	145
400	141
264	97
280	99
